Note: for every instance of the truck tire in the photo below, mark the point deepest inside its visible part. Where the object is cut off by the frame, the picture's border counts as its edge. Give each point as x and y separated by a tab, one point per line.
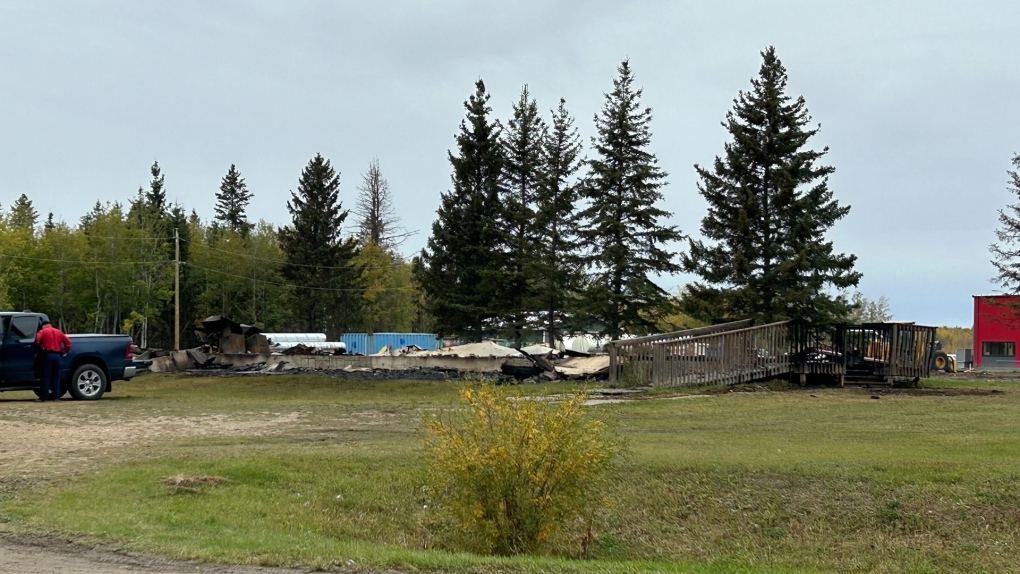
941	362
88	383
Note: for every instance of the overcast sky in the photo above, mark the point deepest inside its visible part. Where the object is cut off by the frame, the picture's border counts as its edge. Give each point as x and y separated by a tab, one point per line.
917	100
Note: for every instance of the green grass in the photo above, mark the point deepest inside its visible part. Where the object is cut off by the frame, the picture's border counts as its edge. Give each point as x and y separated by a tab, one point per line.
801	481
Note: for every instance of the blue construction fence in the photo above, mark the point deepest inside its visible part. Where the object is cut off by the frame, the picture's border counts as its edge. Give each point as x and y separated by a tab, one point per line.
366	344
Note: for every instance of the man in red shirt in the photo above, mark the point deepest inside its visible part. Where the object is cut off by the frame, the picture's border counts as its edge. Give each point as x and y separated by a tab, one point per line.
53	344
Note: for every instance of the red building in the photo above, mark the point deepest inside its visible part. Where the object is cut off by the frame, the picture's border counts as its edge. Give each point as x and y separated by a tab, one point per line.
996	331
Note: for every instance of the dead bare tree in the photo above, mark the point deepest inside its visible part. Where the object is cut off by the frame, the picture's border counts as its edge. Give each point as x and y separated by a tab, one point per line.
377	220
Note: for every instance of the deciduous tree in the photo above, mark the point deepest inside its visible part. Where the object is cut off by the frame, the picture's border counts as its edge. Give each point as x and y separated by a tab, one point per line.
388	296
864	310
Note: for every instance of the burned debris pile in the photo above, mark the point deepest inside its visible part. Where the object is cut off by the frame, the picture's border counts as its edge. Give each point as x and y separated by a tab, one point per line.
230	348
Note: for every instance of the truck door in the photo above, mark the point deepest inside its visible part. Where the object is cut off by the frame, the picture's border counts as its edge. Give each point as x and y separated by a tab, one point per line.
19	349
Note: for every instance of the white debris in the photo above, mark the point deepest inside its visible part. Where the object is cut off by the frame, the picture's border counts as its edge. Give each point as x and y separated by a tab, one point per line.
483	349
541	350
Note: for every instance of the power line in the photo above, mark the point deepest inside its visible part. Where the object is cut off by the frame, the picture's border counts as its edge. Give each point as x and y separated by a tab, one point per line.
280	262
84	261
278	283
121	238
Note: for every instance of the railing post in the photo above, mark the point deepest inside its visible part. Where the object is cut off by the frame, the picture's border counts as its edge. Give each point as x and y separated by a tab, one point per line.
612	364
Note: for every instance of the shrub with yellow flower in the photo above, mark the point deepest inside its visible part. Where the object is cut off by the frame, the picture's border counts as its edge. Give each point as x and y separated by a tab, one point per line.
510	472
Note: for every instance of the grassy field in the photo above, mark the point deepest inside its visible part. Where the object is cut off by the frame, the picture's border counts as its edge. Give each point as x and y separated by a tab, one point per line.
803	481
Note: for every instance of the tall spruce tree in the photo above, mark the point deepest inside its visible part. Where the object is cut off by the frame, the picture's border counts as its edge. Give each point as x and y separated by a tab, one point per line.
460	267
557	256
522	169
770	207
232	202
23	214
155	197
149	207
318	261
622	226
1006	252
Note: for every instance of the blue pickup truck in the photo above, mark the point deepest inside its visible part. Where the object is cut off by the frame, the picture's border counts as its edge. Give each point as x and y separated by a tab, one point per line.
87	372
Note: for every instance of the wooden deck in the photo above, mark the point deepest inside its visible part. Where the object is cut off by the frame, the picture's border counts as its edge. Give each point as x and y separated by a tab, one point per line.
738	352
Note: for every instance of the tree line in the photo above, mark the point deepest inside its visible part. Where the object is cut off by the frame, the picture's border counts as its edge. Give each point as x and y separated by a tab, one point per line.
114	270
533	236
538	233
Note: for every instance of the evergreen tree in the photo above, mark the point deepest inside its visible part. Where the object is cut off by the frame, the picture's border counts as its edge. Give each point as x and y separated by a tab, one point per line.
148	208
21	272
155	197
460	270
232	201
556	269
318	260
138	209
522	168
50	225
86	221
622	228
423	321
23	214
377	221
1006	253
769	210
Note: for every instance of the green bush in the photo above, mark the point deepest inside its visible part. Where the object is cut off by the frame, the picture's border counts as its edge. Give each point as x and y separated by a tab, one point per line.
510	473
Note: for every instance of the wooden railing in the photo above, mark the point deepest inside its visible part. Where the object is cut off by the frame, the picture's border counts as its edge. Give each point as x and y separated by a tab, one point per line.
886	351
736	352
725	354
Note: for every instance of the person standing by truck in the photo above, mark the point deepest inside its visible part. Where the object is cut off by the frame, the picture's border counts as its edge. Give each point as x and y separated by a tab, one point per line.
53	344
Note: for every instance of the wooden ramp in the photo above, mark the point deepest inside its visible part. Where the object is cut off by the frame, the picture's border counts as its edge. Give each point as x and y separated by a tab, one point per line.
738	352
725	354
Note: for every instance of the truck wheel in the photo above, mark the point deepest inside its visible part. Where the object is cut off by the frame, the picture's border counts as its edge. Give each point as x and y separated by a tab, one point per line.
88	383
941	362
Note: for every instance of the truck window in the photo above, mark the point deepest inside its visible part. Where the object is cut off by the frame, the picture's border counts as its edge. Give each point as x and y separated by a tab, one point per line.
3	326
23	327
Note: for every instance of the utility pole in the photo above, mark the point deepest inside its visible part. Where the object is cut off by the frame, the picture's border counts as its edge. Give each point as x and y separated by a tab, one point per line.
177	290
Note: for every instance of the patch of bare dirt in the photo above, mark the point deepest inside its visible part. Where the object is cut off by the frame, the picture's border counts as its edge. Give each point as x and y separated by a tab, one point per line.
44	440
934	392
39	555
980	375
56	437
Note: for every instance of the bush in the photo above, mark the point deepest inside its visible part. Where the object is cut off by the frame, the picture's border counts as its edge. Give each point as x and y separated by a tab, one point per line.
511	472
